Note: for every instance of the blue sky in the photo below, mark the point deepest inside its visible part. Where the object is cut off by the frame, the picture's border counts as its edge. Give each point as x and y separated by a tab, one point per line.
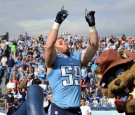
113	17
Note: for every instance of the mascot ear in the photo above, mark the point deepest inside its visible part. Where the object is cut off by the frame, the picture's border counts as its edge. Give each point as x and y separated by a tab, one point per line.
122	55
98	73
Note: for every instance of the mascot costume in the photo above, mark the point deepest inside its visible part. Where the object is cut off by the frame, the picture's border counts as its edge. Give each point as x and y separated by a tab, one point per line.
116	71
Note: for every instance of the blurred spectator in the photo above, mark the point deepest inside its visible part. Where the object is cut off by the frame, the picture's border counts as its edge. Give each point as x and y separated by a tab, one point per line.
18	94
13	108
111	102
4	60
26	37
123	37
23	95
9	96
2	70
13	48
98	91
11	84
3	45
104	102
41	74
88	94
95	101
7	51
84	88
92	86
43	85
48	109
45	105
86	110
29	81
84	73
36	81
49	90
10	63
1	52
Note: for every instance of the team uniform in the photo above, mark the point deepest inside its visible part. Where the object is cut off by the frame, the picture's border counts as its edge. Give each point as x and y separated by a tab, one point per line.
64	79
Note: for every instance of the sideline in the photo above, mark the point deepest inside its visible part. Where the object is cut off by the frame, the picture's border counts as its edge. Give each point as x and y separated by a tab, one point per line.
106	113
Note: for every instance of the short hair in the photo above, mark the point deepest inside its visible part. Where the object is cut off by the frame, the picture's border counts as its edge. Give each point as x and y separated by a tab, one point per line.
83	99
60	38
36	81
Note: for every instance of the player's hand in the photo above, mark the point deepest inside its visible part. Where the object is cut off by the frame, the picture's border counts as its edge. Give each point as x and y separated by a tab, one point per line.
89	16
61	16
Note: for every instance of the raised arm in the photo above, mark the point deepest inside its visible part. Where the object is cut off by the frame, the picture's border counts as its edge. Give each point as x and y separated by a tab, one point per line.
50	53
89	52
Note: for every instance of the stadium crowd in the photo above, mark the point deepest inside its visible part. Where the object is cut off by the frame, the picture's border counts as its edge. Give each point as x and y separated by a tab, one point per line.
22	64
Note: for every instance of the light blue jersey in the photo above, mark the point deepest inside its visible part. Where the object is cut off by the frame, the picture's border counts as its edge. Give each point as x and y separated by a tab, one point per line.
64	80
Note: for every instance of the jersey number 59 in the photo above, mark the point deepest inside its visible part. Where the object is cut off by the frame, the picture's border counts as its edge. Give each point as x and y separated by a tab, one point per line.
73	73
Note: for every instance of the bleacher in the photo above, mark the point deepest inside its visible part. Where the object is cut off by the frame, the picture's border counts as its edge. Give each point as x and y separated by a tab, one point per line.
102	108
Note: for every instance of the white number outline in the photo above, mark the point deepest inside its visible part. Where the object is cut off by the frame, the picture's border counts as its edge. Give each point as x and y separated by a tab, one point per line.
73	77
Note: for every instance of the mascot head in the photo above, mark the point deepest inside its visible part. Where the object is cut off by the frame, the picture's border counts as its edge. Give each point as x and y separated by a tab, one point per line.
116	73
